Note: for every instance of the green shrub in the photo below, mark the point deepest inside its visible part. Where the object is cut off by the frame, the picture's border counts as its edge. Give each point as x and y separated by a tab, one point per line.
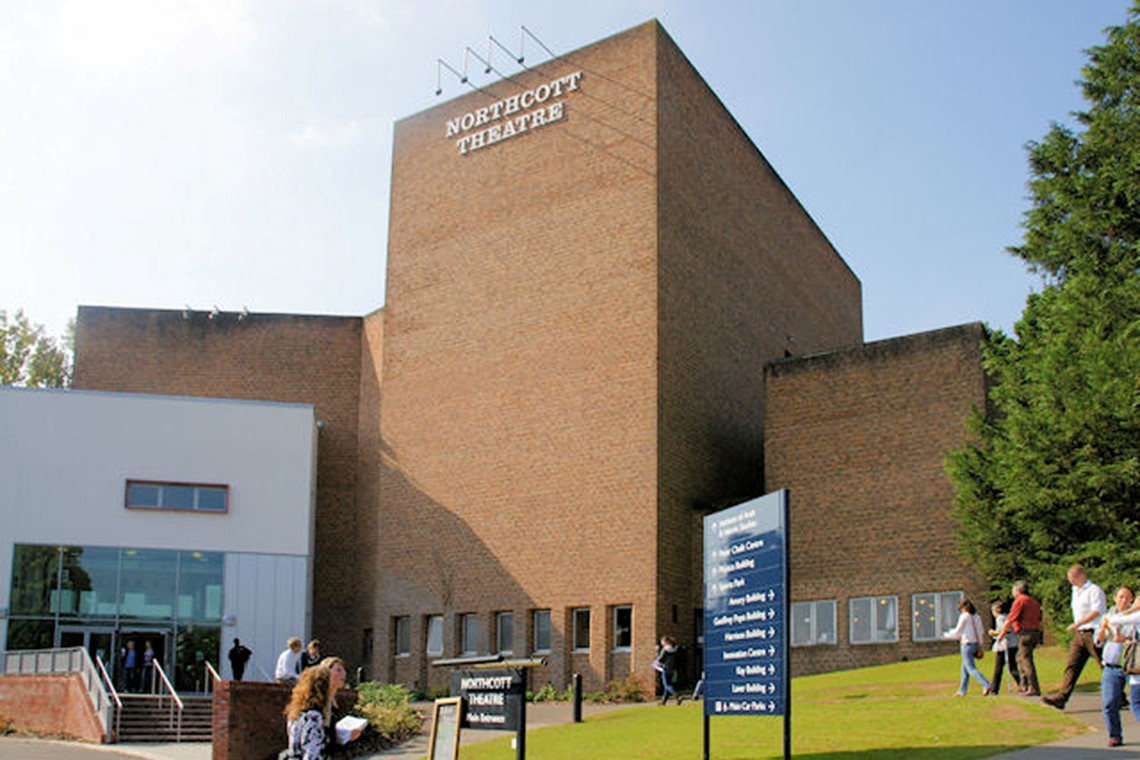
388	710
550	694
624	690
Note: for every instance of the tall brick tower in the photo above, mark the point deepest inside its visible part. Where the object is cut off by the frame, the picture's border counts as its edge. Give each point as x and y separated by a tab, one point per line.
589	264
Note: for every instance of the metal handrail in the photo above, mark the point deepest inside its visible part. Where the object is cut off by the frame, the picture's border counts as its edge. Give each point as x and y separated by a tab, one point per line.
114	695
160	673
211	681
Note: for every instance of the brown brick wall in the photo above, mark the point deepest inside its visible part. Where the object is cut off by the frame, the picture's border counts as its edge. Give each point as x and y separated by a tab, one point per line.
50	705
518	405
859	438
741	268
573	354
271	357
249	719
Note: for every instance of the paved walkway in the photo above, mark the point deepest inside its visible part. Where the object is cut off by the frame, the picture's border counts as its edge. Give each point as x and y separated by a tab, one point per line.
1084	706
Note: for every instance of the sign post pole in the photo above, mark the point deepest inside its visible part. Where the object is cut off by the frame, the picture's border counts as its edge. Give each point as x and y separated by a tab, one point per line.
520	735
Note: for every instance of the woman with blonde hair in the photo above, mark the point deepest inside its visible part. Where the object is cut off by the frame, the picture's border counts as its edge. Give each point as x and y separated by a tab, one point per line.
310	710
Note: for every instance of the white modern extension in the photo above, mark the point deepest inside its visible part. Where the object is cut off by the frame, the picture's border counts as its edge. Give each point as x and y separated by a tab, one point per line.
182	522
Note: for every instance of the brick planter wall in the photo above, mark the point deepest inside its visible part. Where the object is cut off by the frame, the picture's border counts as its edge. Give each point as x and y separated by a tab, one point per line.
55	705
249	718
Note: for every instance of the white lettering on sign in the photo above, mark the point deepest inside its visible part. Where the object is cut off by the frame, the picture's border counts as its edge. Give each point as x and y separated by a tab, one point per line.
498	121
485	683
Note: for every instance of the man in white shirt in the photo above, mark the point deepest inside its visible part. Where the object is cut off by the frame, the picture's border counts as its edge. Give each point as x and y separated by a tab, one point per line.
1113	678
289	662
1088	605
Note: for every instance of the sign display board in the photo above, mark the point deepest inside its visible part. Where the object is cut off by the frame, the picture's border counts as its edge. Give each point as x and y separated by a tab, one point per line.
746	615
492	696
446	717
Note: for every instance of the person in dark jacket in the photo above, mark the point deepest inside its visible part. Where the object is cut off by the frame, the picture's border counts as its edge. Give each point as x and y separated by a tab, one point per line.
666	664
239	656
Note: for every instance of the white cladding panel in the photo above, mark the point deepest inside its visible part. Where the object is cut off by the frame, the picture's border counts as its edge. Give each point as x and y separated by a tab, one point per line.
66	456
264	605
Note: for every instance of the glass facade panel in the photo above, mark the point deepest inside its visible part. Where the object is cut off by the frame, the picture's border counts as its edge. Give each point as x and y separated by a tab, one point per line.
35	576
89	584
31	634
94	596
147	591
200	586
195	645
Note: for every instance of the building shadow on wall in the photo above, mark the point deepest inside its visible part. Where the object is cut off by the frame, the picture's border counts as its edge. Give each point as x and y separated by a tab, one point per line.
431	562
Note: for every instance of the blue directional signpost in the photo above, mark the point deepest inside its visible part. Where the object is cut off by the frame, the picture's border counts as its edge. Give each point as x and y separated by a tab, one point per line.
746	612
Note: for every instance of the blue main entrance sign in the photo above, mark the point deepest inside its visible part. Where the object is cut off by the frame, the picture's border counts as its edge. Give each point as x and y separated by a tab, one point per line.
746	608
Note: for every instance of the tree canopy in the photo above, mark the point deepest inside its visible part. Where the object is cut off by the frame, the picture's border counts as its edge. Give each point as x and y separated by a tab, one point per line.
30	357
1052	474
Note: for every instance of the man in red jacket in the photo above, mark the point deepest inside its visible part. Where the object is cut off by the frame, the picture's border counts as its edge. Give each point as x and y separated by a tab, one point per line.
1025	618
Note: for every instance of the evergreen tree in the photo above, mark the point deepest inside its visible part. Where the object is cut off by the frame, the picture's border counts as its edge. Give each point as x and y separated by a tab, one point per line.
1052	476
28	356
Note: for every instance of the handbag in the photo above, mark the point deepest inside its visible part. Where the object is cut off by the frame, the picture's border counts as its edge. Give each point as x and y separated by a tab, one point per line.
1130	658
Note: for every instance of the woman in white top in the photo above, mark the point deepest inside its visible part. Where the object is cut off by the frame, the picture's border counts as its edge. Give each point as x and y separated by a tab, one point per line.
1127	622
1004	649
969	633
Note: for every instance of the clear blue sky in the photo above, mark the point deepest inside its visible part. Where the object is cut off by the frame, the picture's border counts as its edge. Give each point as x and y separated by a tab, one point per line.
157	153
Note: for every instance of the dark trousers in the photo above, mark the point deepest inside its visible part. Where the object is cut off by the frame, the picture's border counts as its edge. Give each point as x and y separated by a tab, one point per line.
1027	641
1001	659
1080	651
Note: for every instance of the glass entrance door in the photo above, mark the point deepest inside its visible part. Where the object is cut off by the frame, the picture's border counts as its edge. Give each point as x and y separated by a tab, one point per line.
150	645
99	641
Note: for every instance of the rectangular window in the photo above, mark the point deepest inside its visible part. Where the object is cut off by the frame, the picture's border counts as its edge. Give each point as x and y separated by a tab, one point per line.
874	619
541	631
469	633
434	646
403	626
813	623
934	614
582	629
623	628
505	633
187	497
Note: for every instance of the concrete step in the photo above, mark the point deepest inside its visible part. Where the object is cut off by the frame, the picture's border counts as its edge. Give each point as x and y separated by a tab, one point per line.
147	718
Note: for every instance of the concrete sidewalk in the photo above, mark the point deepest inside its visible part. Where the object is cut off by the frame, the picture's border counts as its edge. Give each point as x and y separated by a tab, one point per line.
1084	706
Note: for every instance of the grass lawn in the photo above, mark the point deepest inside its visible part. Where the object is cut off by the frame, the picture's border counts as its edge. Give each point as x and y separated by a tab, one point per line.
905	710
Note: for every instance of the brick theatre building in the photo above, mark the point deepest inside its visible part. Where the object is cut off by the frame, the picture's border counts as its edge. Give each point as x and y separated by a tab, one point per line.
606	315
